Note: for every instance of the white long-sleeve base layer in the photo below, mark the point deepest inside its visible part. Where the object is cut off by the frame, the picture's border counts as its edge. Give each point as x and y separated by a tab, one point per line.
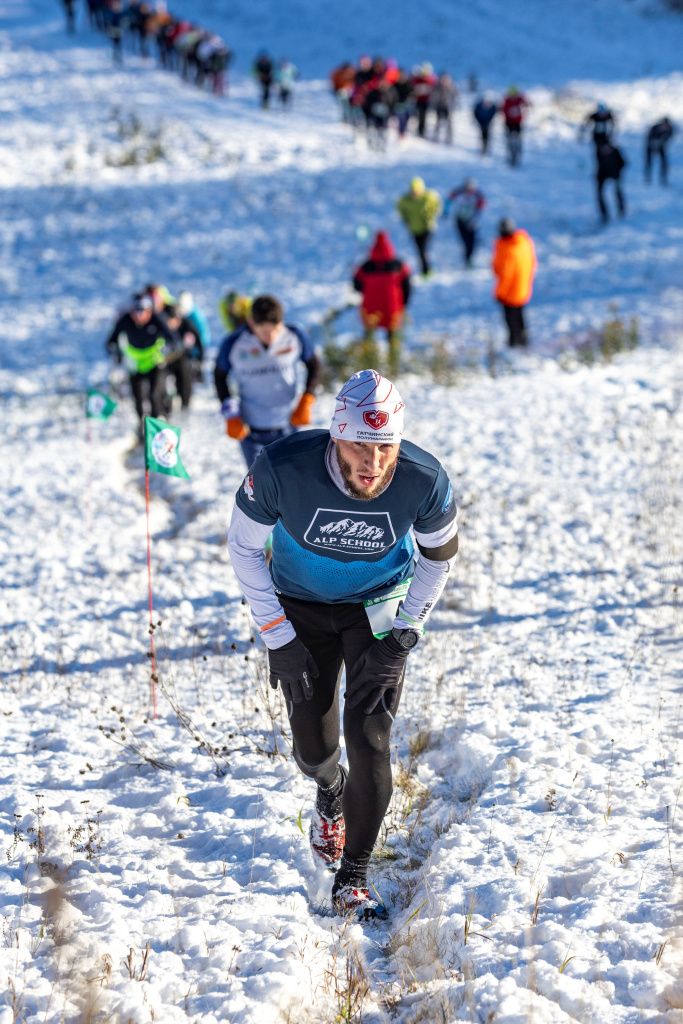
246	542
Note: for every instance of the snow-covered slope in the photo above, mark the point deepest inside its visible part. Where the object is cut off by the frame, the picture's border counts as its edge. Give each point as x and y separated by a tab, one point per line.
253	200
538	749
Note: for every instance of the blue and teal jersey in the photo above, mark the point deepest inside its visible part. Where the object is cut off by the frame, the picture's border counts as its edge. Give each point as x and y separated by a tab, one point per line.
331	547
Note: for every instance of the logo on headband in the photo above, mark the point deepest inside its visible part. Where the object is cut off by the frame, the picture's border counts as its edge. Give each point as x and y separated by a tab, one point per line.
376	419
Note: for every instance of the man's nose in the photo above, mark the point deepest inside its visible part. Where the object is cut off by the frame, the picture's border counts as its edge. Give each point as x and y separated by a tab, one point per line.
372	460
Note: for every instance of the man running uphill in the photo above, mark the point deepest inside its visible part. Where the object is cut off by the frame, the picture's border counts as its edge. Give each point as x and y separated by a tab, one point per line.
341	504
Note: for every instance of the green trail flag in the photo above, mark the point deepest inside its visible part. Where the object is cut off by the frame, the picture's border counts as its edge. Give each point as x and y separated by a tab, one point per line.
98	406
161	448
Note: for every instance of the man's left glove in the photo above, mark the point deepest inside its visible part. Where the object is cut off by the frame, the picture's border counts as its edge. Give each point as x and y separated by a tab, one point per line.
293	667
301	417
377	674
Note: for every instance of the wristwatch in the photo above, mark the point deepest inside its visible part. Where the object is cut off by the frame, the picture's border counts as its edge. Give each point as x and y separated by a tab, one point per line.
407	638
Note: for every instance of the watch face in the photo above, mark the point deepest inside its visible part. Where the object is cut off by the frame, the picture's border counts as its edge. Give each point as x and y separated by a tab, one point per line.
408	639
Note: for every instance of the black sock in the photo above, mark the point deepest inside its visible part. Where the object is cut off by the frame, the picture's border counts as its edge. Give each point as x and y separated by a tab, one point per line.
329	799
351	872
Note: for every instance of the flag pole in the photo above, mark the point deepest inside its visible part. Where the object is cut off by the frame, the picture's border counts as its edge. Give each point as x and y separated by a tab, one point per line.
149	587
161	456
88	497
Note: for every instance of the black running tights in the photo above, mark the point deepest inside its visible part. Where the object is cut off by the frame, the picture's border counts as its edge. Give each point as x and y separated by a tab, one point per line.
514	318
422	241
338	634
150	385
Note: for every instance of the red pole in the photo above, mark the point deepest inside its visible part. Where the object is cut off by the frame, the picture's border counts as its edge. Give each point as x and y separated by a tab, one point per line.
149	586
88	500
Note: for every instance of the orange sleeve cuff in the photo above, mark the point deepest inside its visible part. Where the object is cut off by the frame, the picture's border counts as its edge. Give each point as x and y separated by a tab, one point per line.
275	622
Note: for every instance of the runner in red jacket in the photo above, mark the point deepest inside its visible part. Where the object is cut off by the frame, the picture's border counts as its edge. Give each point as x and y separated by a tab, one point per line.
513	108
384	282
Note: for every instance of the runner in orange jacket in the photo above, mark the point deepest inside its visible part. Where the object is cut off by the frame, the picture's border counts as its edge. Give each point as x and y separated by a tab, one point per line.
514	265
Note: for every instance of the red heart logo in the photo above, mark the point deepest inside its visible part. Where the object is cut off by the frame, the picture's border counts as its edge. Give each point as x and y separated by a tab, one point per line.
376	419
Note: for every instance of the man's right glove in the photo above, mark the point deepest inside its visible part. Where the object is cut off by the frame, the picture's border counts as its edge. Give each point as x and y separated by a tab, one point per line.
293	667
235	427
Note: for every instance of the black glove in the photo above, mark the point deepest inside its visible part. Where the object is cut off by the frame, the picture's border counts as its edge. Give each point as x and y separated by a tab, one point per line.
292	667
377	673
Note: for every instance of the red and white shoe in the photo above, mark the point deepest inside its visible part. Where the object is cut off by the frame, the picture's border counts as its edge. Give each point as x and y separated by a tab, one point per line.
349	901
327	838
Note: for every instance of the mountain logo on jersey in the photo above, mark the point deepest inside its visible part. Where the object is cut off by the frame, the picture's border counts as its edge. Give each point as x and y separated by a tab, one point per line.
248	486
333	528
376	419
349	528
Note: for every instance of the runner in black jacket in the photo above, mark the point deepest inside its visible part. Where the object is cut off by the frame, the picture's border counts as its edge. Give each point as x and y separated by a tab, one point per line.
602	123
610	165
484	113
263	70
140	339
658	139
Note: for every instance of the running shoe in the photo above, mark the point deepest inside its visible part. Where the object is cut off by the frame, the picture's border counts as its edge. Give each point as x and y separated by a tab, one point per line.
349	901
327	838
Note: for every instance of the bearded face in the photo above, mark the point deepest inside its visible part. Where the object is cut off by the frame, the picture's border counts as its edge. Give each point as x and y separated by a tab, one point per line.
367	468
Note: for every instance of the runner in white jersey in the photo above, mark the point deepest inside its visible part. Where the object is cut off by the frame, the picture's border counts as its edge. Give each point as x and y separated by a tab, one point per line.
256	377
347	508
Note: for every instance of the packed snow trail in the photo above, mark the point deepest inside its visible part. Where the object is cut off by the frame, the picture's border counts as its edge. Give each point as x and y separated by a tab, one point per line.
538	746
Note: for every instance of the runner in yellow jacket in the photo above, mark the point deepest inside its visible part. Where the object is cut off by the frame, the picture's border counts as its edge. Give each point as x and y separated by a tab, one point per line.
234	310
420	208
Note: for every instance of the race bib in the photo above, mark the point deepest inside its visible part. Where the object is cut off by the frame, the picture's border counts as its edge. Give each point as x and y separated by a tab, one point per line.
381	611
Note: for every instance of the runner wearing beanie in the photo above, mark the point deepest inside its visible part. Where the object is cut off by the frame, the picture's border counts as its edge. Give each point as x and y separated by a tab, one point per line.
344	590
